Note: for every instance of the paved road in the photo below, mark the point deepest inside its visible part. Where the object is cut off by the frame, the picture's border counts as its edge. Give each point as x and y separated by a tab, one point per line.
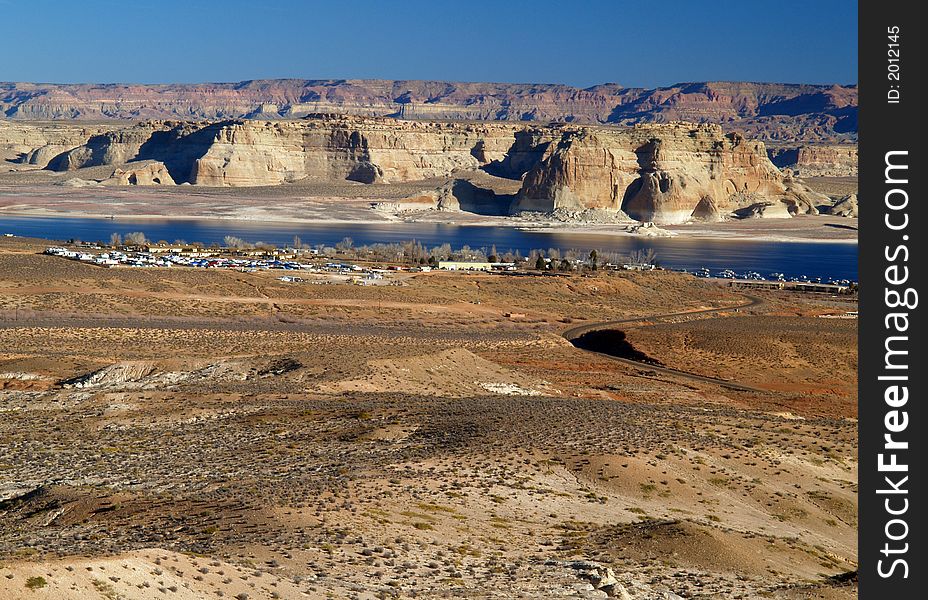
575	332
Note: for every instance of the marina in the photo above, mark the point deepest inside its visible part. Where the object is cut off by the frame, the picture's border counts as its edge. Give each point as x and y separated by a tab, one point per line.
828	261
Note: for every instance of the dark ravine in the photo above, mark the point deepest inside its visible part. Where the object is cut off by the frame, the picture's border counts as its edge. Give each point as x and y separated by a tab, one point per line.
600	338
614	343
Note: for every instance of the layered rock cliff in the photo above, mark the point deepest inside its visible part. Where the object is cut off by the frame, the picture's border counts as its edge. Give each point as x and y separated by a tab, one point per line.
176	144
38	143
662	173
818	160
666	173
342	148
583	169
809	113
324	148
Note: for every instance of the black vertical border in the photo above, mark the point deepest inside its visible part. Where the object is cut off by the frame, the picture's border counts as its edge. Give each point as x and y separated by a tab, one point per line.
884	127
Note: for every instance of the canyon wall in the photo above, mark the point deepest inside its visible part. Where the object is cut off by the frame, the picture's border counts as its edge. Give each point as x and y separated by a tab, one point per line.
367	150
38	143
322	147
769	111
662	173
666	173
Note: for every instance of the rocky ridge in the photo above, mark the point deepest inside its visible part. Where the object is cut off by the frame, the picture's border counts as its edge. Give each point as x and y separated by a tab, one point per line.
816	160
769	111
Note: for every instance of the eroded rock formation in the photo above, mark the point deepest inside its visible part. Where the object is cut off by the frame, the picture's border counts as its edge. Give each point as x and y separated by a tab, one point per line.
325	148
38	143
145	173
663	173
845	207
343	148
666	173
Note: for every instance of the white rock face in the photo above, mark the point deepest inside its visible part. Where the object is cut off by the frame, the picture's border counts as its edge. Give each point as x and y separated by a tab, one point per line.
339	148
37	144
670	173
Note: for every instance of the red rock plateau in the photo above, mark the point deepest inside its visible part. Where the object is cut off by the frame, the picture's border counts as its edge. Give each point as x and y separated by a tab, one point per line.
768	111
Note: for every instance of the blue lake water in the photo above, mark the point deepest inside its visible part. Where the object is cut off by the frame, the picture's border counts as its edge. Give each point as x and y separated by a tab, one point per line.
793	259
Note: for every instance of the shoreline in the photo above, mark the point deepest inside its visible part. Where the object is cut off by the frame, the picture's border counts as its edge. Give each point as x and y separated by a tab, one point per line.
721	236
273	221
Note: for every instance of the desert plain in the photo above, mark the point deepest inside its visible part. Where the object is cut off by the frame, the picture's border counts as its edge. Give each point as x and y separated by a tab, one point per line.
199	433
203	433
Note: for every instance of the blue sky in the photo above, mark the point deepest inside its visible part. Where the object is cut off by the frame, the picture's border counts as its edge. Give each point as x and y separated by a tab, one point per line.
640	43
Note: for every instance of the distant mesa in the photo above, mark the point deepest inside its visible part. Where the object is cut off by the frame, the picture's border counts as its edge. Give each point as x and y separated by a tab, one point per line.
816	160
767	111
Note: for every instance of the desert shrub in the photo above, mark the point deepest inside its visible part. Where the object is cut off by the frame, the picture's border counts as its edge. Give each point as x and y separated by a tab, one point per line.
34	583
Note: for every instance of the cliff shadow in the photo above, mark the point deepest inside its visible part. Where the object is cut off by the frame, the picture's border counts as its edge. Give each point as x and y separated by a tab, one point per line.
847	119
90	154
178	150
646	157
630	192
614	343
479	200
783	157
839	226
523	155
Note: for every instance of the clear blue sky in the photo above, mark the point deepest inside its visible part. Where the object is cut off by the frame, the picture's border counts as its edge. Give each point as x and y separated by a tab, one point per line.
639	43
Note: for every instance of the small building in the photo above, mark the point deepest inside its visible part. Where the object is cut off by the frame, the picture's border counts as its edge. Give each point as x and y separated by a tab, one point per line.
189	251
826	288
460	265
455	265
756	284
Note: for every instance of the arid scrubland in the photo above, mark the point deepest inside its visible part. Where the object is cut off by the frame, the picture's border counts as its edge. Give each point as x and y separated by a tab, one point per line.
211	433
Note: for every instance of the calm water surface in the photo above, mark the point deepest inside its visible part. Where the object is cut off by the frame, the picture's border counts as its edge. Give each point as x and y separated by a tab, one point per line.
826	260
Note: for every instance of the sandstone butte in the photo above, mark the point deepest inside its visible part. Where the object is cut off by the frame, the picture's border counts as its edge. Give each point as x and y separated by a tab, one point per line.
666	173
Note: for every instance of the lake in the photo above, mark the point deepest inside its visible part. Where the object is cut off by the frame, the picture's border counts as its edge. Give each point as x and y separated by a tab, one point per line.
793	259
